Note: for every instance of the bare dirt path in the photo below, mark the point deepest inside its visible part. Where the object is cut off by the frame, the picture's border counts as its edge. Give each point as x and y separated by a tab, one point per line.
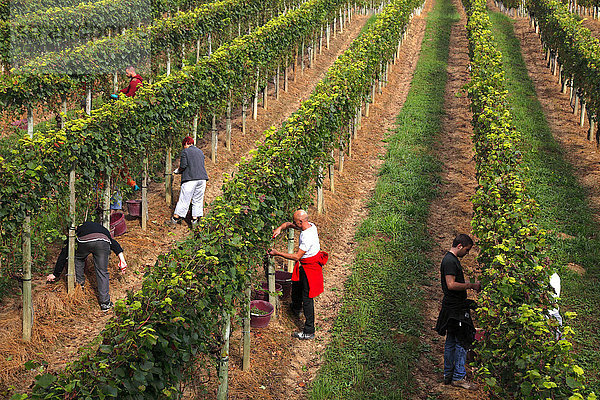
282	367
65	323
450	212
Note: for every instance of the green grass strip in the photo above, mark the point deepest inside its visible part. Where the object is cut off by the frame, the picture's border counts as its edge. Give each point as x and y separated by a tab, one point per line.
562	202
375	341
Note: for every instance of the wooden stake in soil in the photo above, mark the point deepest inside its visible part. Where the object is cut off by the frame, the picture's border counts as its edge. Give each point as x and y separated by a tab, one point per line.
255	102
195	127
302	59
228	123
246	333
244	107
169	174
168	62
30	122
215	139
331	176
71	256
64	113
273	298
290	248
222	392
341	157
106	203
27	304
145	194
88	99
277	83
285	76
320	191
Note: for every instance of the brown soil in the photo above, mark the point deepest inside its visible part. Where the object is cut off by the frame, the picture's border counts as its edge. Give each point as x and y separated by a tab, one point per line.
282	367
450	213
64	323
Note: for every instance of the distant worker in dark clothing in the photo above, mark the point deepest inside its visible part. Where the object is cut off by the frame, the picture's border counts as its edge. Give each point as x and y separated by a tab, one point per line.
92	238
135	82
193	183
454	319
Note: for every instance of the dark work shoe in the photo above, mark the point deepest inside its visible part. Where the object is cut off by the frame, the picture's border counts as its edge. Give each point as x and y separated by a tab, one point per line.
173	221
106	306
447	380
295	313
303	336
464	384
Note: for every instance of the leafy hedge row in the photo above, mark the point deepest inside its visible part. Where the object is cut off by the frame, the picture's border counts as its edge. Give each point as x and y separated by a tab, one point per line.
156	333
47	78
54	28
520	355
578	50
118	135
120	132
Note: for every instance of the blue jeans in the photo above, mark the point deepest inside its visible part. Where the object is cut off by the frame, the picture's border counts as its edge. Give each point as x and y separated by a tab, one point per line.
454	358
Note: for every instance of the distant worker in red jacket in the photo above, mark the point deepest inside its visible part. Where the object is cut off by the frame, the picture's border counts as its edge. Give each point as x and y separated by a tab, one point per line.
307	278
135	82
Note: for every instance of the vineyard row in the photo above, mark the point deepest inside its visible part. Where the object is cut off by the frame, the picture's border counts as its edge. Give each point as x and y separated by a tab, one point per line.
192	291
521	355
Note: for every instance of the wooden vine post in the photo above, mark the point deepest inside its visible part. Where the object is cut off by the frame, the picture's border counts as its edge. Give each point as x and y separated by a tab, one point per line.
246	333
88	99
145	194
71	255
64	113
228	123
223	390
331	175
320	199
244	108
106	203
30	122
27	304
169	173
273	298
285	75
341	156
214	139
290	248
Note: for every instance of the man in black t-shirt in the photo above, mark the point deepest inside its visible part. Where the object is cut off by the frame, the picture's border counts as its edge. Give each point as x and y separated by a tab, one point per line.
454	320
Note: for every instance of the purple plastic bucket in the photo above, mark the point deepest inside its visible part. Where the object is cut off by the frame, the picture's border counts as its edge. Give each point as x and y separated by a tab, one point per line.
117	224
134	207
263	294
284	278
260	321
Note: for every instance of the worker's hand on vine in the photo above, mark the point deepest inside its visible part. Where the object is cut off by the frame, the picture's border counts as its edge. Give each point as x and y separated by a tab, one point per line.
271	252
50	278
276	232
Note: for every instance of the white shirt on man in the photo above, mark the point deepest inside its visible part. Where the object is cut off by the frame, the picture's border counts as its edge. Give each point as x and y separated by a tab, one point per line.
309	241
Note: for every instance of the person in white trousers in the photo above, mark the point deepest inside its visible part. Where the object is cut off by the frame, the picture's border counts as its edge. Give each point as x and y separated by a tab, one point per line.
193	183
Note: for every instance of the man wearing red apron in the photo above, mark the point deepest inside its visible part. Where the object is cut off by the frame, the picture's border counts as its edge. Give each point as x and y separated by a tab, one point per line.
307	278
